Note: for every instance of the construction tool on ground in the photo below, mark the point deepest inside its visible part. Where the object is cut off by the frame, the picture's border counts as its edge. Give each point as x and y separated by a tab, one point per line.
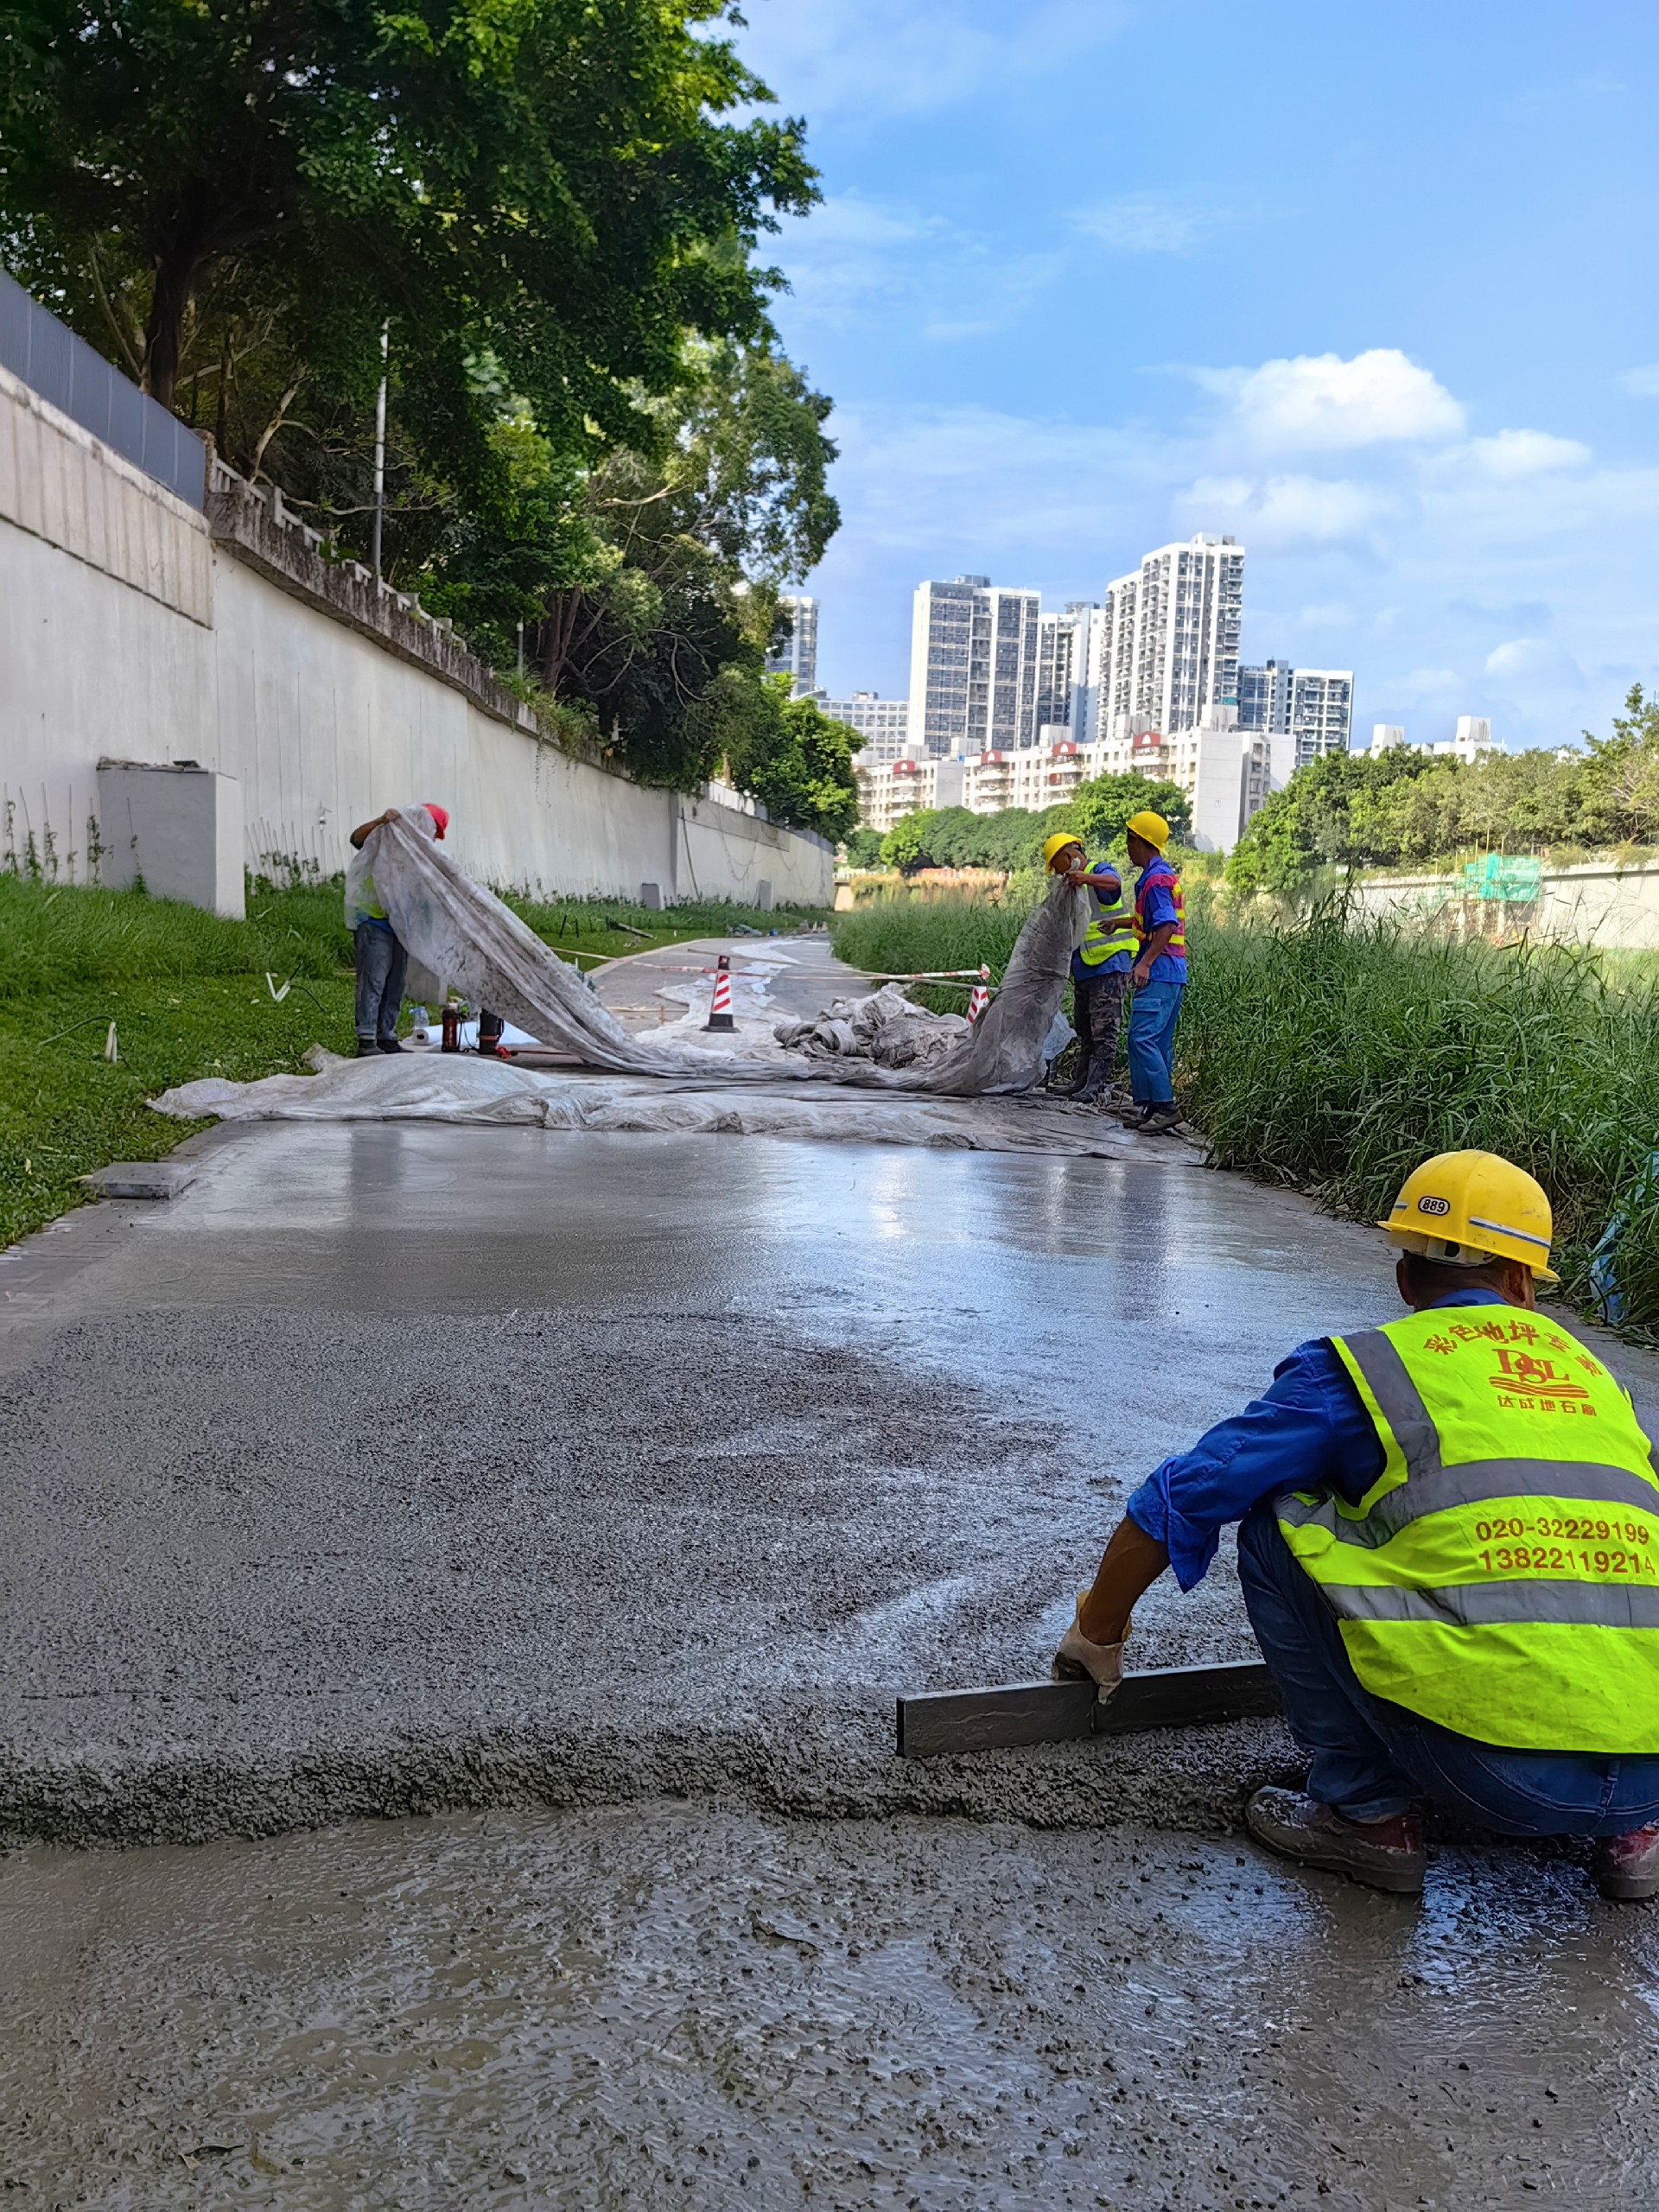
932	1723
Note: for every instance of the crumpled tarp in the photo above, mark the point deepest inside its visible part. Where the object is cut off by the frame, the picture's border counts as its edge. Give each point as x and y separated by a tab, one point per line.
454	1087
461	932
884	1027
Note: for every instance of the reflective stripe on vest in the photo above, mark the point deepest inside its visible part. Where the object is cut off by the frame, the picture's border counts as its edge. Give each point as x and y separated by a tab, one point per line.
1111	931
1500	1576
1171	883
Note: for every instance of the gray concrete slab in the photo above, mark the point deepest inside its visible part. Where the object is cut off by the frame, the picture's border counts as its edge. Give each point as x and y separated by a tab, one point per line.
623	2011
392	1467
801	975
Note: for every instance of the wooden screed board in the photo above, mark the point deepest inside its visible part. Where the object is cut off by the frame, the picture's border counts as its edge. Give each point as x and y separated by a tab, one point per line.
934	1722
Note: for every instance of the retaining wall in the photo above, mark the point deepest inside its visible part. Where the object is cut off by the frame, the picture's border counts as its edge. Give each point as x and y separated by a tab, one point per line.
1597	902
132	627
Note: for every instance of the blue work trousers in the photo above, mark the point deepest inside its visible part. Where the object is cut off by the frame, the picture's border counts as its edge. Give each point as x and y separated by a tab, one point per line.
1152	1016
382	967
1372	1758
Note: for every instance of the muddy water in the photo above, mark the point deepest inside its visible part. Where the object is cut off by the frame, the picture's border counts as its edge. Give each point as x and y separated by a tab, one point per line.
667	2006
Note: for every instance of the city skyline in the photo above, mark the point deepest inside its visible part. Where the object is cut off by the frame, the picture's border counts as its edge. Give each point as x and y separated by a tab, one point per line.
1400	357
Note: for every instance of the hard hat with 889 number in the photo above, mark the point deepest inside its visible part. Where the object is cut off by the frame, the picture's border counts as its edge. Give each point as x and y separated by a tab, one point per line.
1467	1209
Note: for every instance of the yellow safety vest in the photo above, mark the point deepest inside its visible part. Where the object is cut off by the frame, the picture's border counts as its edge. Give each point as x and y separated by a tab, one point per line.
1500	1576
1111	930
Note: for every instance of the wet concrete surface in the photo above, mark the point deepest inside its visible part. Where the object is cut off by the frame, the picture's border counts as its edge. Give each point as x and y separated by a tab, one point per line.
673	2006
391	1468
786	974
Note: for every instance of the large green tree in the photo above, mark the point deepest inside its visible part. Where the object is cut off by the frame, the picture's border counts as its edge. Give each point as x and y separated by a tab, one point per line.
549	194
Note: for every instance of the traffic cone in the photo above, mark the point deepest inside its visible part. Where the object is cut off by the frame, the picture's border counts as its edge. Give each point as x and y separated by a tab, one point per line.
978	1000
720	1011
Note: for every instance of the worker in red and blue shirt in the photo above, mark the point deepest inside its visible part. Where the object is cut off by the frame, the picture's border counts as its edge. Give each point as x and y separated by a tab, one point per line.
1100	965
1159	977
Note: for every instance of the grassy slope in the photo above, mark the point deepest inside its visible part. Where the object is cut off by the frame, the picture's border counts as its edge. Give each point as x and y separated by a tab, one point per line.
1333	1060
188	997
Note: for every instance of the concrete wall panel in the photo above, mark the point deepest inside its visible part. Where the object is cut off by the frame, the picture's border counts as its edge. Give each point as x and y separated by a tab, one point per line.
128	631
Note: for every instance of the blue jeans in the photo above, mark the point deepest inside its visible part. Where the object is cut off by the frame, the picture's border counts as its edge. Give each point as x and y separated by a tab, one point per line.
1152	1016
382	965
1370	1758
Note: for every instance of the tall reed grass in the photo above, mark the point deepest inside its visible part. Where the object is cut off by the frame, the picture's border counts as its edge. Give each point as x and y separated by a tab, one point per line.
1334	1054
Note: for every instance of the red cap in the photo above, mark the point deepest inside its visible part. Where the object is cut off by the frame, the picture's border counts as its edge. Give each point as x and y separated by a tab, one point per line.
439	814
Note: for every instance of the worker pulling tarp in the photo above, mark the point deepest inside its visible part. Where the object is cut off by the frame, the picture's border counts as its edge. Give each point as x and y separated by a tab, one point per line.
460	931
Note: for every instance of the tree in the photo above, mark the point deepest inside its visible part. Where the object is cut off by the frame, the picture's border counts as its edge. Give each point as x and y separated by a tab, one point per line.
863	849
1099	809
795	760
540	191
906	845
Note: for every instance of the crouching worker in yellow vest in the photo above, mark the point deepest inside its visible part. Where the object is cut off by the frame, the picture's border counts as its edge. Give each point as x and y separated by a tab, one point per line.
1449	1546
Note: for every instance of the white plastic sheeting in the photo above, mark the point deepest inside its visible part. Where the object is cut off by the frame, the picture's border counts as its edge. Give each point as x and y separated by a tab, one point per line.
461	932
452	1087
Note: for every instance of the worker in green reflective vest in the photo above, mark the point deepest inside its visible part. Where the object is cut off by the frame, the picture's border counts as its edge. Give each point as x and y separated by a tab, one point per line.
1449	1548
1100	965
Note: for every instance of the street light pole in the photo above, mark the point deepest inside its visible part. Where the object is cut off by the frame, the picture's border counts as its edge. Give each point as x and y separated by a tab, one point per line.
380	445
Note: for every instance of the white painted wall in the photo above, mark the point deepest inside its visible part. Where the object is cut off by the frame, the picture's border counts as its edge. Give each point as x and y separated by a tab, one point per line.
127	631
1595	903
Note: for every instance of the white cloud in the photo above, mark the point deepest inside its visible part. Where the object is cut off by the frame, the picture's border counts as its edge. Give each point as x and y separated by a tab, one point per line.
1320	403
1642	384
1536	661
1327	614
1515	454
858	262
1283	510
1146	222
886	57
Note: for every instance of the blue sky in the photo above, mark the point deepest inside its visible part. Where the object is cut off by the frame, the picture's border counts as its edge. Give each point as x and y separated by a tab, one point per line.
1371	288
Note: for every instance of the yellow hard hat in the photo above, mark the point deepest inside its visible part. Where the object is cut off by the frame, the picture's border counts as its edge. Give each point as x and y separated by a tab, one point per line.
1153	827
1465	1209
1052	847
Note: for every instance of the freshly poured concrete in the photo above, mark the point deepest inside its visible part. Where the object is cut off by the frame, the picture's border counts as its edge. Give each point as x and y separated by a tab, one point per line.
393	1468
621	2011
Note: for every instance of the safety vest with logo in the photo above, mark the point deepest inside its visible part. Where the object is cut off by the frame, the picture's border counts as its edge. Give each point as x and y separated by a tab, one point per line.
1167	879
1500	1576
1111	930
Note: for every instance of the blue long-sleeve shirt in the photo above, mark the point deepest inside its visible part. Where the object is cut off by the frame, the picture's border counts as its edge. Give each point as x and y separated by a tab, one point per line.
1306	1431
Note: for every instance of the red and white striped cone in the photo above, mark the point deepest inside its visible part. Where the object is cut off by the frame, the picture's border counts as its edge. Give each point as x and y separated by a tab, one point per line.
720	1011
978	1000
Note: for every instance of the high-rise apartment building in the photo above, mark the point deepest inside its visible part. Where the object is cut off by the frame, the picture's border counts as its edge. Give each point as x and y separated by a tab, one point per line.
799	657
1068	647
973	667
1171	646
1304	712
1264	697
1321	713
884	725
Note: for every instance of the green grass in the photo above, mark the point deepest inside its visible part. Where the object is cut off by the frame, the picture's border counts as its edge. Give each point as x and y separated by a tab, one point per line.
906	934
188	995
1332	1057
1335	1057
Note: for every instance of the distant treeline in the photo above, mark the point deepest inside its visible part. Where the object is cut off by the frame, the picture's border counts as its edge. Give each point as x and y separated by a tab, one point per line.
949	836
1351	810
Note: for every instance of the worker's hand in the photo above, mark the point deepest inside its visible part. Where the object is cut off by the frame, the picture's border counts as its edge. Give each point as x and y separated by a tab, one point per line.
390	815
1077	1659
1140	975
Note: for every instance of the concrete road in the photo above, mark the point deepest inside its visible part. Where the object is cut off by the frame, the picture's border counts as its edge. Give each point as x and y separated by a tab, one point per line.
772	977
396	1468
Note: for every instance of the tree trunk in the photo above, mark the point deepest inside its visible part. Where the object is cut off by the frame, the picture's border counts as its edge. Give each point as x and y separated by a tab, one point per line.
175	277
